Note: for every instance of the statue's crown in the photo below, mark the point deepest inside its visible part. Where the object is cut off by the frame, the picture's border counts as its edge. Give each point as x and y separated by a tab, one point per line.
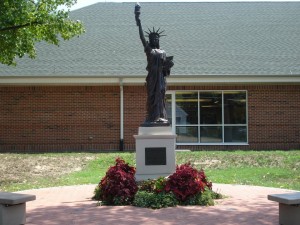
154	33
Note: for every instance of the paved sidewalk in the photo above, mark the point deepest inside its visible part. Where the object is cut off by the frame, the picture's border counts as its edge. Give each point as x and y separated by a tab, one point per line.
72	205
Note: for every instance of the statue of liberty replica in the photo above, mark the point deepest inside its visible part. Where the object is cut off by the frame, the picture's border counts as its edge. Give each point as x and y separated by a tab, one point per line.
158	67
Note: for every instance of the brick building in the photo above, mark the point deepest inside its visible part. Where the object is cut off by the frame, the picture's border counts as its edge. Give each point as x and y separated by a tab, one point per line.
235	83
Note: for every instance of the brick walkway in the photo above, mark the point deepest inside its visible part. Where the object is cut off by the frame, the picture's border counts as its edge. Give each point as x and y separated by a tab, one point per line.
72	205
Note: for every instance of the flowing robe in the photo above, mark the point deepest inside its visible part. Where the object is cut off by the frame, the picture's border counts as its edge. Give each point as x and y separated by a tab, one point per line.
156	84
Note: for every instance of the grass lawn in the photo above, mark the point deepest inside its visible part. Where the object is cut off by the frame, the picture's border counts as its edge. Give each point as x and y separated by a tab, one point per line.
279	169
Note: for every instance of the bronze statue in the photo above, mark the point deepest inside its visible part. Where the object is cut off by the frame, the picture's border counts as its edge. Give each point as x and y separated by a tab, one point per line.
158	67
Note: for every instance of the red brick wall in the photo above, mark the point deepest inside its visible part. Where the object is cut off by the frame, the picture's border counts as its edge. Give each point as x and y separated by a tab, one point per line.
274	119
134	113
59	118
88	118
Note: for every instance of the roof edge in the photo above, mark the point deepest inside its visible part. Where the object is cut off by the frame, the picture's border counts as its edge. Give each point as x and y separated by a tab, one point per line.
140	80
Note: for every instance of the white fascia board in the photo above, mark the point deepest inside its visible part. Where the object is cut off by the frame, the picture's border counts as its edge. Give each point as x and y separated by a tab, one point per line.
232	79
140	80
56	81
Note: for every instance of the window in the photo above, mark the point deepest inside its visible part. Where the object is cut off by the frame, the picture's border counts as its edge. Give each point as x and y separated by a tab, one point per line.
235	119
208	117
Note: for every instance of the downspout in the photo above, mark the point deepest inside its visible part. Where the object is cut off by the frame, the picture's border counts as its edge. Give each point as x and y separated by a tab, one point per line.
121	116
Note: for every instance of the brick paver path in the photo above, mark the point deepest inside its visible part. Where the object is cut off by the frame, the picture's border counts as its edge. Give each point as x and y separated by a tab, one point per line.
72	205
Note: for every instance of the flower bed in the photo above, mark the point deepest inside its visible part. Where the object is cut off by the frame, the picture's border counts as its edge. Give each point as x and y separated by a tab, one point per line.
186	186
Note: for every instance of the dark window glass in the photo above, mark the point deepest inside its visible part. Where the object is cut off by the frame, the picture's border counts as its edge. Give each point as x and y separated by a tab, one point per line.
211	134
235	107
210	107
187	108
187	134
235	134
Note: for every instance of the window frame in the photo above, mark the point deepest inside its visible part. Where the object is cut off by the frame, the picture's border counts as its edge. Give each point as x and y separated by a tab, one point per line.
199	125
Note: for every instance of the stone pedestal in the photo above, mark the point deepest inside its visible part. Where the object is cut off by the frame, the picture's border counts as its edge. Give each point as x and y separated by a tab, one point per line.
155	152
289	207
289	214
13	208
13	214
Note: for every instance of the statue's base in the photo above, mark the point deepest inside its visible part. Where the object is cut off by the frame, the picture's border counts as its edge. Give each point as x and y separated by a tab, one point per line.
155	152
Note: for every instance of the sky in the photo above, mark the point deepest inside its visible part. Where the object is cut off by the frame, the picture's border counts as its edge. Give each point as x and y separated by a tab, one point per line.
83	3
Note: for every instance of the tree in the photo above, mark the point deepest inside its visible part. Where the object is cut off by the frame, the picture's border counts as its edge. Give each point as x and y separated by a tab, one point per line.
25	22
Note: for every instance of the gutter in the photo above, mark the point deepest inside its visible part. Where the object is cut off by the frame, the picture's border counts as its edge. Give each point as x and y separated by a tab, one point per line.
121	115
140	80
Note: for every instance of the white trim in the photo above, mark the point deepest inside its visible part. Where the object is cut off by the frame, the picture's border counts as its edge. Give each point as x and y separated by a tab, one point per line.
173	109
219	144
140	80
53	81
217	80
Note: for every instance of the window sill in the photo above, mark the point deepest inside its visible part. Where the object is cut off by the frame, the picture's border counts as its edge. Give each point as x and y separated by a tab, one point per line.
234	143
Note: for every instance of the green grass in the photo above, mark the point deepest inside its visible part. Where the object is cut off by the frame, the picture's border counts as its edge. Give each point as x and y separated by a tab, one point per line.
96	169
263	168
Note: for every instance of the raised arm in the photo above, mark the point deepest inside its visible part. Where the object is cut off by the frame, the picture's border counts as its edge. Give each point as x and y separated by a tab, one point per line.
137	12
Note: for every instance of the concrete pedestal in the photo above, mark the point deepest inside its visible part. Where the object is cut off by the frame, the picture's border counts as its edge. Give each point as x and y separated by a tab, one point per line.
289	214
155	152
289	207
13	208
13	214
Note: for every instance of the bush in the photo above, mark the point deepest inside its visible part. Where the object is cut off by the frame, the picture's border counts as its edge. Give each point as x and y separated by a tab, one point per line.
146	185
187	182
118	186
155	185
154	200
187	186
202	198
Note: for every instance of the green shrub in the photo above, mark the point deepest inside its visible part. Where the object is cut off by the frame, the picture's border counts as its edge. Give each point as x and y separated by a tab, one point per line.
153	185
216	195
146	185
154	200
97	193
160	184
202	198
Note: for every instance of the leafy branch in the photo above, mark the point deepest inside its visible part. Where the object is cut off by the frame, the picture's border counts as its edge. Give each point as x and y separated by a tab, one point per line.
19	26
23	23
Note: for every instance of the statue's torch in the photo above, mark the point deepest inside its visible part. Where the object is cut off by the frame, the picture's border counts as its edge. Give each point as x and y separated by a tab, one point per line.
137	12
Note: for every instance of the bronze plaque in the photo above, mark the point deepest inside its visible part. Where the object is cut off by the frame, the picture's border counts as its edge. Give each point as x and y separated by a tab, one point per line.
155	156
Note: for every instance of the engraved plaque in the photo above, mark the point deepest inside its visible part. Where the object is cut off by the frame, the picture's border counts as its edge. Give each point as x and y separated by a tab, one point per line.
155	156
